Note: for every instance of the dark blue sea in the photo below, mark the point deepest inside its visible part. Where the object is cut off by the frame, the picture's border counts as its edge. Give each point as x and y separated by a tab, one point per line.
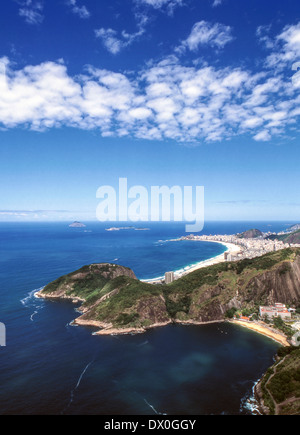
50	367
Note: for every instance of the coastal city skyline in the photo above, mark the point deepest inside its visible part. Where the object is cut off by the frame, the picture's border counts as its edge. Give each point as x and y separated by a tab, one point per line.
162	92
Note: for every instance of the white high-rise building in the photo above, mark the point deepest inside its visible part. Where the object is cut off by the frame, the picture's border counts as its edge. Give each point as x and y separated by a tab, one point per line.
169	277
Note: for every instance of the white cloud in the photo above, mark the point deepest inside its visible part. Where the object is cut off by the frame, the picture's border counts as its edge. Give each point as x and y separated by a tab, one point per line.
31	11
166	100
36	95
291	38
262	32
155	3
263	136
286	47
114	42
170	5
217	3
204	33
140	113
110	40
30	215
81	11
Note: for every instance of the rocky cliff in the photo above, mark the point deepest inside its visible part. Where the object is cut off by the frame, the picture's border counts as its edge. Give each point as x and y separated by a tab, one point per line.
282	283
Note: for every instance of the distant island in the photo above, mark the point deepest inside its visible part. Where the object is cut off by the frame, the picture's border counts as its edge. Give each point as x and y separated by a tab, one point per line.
118	228
126	228
77	225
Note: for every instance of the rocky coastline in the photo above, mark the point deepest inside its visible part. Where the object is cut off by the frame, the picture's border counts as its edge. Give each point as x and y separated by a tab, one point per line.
108	328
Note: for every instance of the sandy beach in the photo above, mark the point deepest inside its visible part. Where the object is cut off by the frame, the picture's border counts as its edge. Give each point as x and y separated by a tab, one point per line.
264	330
231	248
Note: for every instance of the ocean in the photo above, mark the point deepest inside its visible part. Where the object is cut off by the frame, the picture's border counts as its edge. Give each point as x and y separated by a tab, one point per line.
51	367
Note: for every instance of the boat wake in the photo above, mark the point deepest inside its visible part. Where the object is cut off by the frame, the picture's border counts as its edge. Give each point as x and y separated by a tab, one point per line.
143	344
32	315
76	387
153	409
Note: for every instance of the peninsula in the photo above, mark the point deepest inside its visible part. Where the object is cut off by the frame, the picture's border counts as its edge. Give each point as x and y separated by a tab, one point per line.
114	301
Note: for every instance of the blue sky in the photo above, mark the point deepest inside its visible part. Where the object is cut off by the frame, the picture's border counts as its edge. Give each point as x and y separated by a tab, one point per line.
162	92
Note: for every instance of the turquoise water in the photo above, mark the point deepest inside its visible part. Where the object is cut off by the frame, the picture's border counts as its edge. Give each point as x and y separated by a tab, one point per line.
50	367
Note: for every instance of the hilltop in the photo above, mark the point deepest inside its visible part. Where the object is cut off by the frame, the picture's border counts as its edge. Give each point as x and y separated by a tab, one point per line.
278	392
294	228
250	234
114	300
291	238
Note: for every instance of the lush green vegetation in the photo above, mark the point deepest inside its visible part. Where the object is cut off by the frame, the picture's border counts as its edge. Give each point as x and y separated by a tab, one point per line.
284	385
53	286
231	313
286	267
268	401
85	285
208	275
121	308
267	261
181	305
279	324
125	319
89	282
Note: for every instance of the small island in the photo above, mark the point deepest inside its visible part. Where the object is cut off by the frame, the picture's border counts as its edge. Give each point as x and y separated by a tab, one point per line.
127	228
77	225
